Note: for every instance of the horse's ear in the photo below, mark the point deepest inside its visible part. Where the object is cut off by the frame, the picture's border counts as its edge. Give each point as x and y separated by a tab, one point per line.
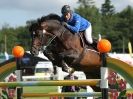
44	25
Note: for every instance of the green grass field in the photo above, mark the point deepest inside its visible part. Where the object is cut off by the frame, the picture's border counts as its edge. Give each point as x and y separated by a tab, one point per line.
40	89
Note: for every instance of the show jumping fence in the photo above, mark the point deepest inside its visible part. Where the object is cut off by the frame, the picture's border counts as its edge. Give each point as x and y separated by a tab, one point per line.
102	83
65	94
90	82
70	94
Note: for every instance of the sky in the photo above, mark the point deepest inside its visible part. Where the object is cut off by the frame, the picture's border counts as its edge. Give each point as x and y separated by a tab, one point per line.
16	12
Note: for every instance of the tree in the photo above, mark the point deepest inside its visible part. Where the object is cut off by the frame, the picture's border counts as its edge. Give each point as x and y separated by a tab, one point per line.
109	20
86	3
10	34
14	36
107	11
125	26
23	37
107	8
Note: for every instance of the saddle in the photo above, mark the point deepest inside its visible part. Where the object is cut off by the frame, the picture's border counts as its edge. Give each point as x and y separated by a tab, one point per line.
85	44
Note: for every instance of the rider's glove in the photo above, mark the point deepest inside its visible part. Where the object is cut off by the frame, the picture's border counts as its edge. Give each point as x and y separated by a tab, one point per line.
64	23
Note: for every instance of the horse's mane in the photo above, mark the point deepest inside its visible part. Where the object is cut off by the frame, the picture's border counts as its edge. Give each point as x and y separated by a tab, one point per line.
51	16
32	27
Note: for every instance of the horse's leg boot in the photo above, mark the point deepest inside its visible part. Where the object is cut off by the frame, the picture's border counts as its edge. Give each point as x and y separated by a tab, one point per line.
66	68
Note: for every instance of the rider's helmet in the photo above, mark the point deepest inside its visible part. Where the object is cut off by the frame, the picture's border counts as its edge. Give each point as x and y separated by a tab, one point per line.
66	9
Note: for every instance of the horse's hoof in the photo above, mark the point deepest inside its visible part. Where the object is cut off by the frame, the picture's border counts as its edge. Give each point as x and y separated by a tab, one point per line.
71	70
68	70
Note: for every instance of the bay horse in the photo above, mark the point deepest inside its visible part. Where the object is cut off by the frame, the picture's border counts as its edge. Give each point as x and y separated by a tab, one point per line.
62	46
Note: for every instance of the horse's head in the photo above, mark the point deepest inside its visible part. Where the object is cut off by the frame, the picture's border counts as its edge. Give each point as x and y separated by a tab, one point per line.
45	31
37	38
40	38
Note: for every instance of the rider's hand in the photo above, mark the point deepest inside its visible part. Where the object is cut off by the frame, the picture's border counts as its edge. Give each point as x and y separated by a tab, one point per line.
64	23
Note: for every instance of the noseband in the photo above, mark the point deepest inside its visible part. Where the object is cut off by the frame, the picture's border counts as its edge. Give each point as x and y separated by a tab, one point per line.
49	42
51	39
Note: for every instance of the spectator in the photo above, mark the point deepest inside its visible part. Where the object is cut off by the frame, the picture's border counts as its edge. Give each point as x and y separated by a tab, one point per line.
70	88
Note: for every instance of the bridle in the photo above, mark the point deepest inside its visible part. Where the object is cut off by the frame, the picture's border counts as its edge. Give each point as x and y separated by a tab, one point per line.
49	42
52	38
43	32
40	39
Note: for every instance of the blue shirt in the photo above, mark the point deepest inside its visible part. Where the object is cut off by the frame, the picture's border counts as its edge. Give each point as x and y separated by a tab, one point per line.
77	23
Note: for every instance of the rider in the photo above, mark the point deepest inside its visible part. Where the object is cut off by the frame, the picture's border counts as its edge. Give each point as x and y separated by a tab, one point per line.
75	23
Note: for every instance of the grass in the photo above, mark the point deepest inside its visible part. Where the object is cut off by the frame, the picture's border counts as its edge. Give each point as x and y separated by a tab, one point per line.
40	89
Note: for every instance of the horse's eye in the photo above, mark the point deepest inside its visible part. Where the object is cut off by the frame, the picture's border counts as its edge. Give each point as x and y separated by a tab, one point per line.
40	35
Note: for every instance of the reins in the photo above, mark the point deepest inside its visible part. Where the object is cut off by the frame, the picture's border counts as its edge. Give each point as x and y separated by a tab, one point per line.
51	40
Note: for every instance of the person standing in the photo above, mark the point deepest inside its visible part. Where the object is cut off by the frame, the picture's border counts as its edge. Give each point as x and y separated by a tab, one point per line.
71	76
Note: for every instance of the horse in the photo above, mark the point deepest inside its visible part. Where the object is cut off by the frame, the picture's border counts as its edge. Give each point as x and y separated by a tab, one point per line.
63	47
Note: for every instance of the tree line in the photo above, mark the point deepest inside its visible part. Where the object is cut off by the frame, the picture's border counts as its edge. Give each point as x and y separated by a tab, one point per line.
115	26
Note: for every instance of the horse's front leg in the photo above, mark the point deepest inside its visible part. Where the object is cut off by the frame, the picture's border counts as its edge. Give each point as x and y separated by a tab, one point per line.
50	56
66	68
70	53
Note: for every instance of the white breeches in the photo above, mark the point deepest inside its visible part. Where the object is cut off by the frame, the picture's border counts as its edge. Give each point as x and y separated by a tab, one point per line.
88	34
